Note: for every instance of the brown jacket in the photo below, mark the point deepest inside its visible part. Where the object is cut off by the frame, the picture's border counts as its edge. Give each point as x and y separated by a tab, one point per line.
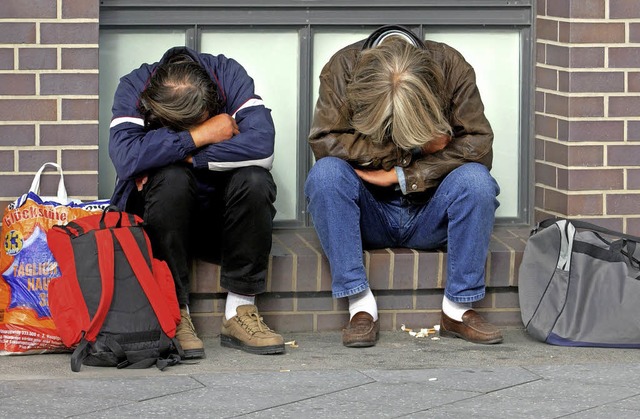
332	135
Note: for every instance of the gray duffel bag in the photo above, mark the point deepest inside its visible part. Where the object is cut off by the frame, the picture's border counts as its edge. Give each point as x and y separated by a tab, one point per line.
578	285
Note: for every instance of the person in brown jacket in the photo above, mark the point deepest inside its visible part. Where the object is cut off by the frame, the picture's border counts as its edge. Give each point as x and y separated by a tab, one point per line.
403	152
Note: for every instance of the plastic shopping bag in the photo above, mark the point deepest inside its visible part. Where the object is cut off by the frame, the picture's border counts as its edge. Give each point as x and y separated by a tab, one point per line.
27	266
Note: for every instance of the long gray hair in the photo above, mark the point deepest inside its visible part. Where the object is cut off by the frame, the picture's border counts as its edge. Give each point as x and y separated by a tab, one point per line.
396	93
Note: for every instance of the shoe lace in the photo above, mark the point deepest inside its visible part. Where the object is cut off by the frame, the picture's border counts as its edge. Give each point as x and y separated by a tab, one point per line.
253	323
186	326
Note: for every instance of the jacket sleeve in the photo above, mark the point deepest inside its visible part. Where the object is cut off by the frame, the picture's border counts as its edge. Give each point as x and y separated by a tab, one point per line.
254	145
331	132
133	149
472	137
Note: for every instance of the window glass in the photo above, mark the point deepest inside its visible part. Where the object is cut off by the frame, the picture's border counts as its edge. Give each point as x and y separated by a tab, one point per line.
271	59
122	51
325	44
495	56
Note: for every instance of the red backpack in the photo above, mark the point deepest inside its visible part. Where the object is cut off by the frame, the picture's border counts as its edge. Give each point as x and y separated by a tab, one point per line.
113	300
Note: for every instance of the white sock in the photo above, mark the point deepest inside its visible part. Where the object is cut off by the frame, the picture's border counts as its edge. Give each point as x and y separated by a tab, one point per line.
364	301
234	301
454	310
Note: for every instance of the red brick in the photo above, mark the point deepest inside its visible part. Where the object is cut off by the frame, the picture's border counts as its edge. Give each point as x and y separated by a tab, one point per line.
634	32
592	82
633	226
633	179
379	269
17	84
28	109
591	33
623	155
623	204
605	130
546	174
69	84
80	160
555	152
539	98
624	57
541	7
590	204
587	9
559	8
6	161
59	135
13	186
404	262
541	52
68	33
546	126
284	323
547	29
585	156
624	9
546	78
79	58
595	179
21	9
556	104
575	56
82	185
6	58
80	109
633	81
624	106
17	135
38	58
633	130
80	9
18	33
31	160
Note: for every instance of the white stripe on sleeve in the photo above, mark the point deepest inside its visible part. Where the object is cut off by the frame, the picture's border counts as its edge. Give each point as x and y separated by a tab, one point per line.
122	120
266	163
249	103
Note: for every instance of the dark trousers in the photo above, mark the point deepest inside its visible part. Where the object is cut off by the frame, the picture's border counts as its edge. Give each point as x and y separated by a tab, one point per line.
222	217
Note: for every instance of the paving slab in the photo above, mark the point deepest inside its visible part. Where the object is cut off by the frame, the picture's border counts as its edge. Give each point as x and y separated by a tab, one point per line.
402	376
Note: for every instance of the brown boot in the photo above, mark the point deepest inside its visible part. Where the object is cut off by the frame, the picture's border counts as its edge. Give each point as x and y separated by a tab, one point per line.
187	337
248	332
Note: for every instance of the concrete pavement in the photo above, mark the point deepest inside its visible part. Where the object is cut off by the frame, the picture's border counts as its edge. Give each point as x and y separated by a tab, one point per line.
402	376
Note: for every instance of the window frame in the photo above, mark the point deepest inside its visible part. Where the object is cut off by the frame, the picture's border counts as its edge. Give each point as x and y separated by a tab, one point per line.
307	17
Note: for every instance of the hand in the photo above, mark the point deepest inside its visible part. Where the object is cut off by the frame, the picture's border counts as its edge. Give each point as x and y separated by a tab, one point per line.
436	144
141	181
378	177
220	128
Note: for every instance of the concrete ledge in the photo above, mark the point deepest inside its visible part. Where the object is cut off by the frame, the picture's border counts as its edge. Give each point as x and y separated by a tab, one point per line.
408	285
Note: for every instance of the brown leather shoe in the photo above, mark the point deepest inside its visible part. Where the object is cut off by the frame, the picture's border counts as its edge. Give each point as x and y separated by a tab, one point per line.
472	328
361	332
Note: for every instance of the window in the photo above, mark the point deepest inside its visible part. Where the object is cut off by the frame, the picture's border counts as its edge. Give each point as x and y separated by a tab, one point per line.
284	46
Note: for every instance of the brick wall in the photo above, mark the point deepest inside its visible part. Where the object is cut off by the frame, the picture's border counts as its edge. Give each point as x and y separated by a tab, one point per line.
48	95
587	145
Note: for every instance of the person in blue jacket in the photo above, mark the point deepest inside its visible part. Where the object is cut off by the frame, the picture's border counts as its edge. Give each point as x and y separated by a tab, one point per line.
192	145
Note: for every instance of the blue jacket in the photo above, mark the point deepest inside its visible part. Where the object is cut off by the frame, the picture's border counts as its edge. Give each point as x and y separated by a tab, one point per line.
135	150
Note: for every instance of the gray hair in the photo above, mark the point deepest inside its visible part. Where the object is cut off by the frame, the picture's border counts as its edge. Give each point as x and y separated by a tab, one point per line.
396	92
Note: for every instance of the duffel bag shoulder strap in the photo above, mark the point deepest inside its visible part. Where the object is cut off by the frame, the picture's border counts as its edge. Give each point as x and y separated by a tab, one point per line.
584	225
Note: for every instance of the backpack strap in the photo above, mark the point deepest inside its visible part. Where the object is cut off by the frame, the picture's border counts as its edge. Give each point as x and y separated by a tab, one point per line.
104	245
143	272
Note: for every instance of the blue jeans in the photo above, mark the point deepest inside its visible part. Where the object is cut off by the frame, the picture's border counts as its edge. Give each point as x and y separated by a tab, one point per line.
348	218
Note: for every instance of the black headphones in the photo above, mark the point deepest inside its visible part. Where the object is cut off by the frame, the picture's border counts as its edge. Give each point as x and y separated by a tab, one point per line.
384	31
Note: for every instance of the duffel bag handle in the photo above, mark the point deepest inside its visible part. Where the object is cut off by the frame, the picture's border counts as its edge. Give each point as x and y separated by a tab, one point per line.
585	226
